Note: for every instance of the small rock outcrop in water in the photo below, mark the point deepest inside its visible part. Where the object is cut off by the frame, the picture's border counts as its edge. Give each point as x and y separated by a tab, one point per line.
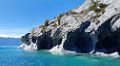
93	27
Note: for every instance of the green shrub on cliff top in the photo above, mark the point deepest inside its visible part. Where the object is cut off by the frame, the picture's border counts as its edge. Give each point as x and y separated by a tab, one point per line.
54	25
101	5
46	23
59	18
98	8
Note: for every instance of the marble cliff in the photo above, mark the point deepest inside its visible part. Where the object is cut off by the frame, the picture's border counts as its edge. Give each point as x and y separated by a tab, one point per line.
90	28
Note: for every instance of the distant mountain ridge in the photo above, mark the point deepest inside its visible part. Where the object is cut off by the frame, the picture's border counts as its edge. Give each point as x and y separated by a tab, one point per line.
9	41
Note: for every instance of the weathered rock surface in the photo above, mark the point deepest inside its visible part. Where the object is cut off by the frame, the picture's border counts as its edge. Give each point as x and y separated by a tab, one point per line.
94	26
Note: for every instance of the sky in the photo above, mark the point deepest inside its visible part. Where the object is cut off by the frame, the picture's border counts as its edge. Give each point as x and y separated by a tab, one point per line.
18	17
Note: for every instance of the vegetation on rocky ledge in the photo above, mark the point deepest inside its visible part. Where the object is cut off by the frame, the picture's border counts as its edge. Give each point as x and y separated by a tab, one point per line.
98	8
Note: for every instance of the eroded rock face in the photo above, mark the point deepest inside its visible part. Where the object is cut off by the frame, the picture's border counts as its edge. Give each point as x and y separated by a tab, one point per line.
79	40
81	30
25	39
44	41
108	39
110	43
34	39
106	27
56	37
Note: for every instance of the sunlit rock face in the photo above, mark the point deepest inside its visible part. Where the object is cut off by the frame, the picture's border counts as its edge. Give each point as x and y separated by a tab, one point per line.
88	28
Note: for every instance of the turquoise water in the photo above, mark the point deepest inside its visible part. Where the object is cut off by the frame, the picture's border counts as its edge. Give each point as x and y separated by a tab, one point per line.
12	56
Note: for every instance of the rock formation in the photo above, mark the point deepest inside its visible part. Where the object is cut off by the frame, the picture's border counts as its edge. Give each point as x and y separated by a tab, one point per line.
93	27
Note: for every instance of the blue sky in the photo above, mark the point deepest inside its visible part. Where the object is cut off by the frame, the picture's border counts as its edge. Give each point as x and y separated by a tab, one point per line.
18	17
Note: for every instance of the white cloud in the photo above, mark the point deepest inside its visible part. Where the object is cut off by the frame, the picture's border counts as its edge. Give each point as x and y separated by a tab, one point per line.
11	35
13	32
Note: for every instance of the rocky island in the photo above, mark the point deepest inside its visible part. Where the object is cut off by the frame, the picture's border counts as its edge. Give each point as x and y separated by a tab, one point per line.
91	28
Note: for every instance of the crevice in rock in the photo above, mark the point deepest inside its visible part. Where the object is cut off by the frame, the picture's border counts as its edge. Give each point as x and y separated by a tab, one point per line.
79	40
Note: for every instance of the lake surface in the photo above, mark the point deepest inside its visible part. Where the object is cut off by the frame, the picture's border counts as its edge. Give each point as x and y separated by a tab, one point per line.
12	56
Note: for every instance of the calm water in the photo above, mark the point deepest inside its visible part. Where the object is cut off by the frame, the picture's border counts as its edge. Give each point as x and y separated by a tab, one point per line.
11	56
